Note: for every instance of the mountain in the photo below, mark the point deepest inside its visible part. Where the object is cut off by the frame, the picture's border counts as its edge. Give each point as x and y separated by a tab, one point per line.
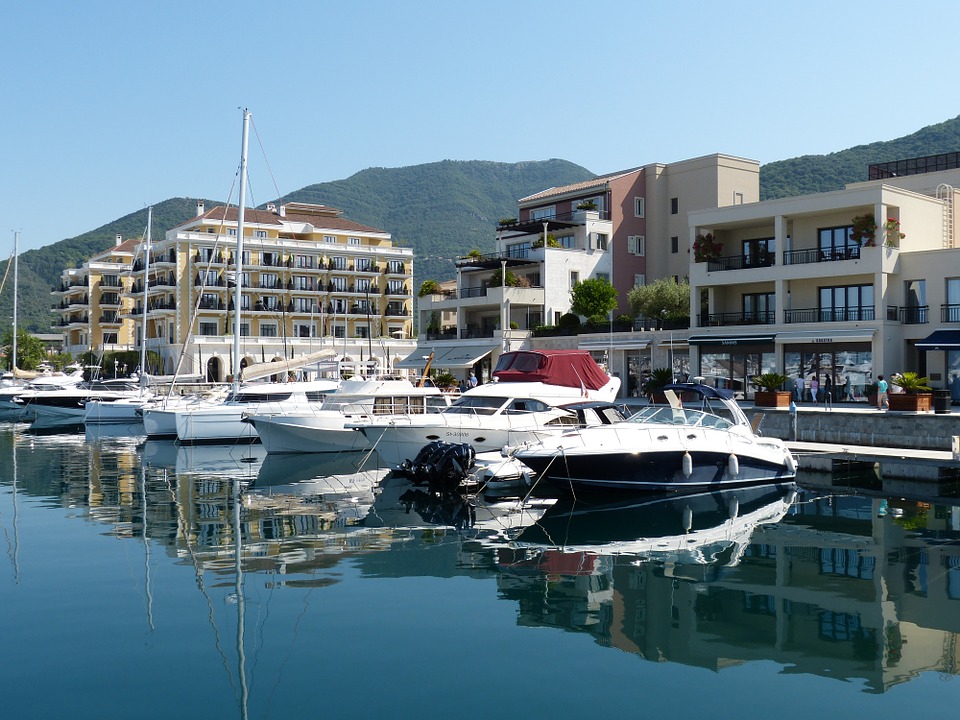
822	173
441	210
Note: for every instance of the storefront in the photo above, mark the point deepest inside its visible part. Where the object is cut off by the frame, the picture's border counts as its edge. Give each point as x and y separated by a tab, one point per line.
845	357
732	361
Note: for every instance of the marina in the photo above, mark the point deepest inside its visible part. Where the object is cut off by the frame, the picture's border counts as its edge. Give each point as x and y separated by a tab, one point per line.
154	578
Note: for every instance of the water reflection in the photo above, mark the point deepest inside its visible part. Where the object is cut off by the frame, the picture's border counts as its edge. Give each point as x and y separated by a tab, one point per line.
837	585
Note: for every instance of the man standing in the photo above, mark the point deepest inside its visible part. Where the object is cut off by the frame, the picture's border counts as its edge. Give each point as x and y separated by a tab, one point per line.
882	396
798	388
472	382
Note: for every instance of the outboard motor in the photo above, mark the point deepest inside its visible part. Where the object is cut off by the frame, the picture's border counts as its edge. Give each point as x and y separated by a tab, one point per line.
441	466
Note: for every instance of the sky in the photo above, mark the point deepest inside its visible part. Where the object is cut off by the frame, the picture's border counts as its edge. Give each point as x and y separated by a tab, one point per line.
107	107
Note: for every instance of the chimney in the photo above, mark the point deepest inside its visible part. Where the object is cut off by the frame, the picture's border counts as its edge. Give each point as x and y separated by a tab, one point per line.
283	211
119	238
199	208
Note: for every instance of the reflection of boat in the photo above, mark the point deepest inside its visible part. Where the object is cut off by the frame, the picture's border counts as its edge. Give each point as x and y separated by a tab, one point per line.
702	528
701	440
241	460
131	429
521	405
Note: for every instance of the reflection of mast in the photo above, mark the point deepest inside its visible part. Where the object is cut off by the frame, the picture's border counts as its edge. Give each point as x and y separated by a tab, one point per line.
238	590
146	544
15	554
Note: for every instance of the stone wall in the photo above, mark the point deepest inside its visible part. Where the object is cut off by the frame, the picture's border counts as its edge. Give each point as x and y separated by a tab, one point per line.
924	431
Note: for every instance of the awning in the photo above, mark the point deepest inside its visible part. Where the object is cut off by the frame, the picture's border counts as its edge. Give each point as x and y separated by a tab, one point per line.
826	336
449	357
720	339
940	340
616	344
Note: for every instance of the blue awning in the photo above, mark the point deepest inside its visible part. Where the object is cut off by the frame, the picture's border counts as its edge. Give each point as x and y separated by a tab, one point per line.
941	340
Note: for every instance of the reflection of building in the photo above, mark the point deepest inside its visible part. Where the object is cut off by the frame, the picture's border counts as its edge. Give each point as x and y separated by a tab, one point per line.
825	284
626	227
91	305
834	590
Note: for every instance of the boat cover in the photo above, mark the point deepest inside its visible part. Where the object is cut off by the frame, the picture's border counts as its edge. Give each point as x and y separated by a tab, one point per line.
569	368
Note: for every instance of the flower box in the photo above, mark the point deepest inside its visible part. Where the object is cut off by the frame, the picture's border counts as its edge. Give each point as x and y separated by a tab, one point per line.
921	402
772	399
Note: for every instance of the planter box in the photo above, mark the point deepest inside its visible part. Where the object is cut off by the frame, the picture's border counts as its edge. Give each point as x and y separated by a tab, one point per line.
922	402
772	399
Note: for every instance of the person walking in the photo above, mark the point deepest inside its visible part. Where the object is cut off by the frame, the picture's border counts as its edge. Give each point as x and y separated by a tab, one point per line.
814	389
798	388
882	393
828	391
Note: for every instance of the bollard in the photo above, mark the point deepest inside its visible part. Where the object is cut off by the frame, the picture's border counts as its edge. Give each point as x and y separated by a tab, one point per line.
793	421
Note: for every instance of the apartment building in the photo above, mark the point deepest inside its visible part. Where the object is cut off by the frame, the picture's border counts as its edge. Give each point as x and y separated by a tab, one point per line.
626	227
91	305
847	284
310	279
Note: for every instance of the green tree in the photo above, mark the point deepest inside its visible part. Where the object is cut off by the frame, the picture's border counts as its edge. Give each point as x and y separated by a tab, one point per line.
30	351
591	297
666	298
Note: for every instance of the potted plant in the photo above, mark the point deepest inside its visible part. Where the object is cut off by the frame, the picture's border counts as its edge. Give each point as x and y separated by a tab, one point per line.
429	287
653	388
586	205
892	231
864	229
771	392
706	248
917	396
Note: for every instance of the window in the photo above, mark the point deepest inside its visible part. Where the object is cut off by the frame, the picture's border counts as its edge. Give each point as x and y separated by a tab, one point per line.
338	306
637	245
110	338
639	207
951	313
244	302
330	239
759	252
244	329
338	284
395	287
846	302
603	276
915	302
674	206
639	279
363	264
302	282
305	261
339	331
363	285
338	263
260	234
836	243
543	213
353	241
268	329
758	308
574	278
208	328
302	304
232	232
519	250
600	241
395	267
268	280
566	241
675	244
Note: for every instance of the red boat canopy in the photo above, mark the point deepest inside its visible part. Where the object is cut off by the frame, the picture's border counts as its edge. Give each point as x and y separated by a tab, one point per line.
570	368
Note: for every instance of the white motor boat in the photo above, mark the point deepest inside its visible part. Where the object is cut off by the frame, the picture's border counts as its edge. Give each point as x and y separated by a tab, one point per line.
322	427
226	421
11	409
520	406
67	406
701	440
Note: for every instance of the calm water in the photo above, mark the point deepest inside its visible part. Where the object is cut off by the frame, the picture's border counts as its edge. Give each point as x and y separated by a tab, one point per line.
355	596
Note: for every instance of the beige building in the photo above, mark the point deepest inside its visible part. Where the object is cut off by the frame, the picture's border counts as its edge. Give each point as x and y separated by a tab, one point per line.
845	285
91	304
310	279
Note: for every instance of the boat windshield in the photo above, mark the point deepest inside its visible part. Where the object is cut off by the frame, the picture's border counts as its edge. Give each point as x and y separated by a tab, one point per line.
242	397
477	405
680	416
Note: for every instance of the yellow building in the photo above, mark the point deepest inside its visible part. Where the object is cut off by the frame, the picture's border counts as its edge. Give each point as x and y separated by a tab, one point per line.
310	278
92	305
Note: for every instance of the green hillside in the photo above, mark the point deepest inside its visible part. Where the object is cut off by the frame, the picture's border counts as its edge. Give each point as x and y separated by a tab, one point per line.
822	173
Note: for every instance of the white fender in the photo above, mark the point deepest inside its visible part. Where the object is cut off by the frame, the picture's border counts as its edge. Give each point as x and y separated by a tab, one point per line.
734	508
687	464
733	465
790	462
687	518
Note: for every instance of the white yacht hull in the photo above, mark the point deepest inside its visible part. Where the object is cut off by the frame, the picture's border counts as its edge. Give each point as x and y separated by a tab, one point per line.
322	431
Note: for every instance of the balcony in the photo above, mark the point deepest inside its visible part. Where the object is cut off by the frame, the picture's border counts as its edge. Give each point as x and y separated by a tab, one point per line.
914	315
950	313
111	319
722	319
741	262
815	255
829	315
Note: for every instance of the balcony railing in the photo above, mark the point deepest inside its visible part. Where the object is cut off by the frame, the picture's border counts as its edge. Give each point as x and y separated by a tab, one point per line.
816	255
950	313
756	318
828	315
914	315
741	262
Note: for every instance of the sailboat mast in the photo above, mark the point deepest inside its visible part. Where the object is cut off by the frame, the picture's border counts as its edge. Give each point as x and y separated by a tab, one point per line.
16	284
238	280
146	288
